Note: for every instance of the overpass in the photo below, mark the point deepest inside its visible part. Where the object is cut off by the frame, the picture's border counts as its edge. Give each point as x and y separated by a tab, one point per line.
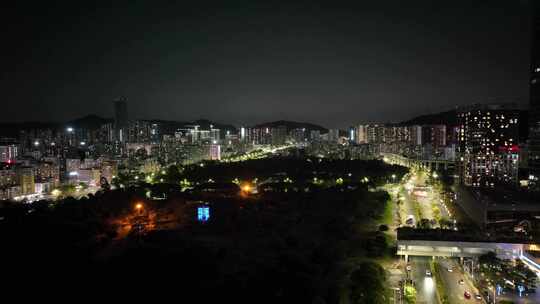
461	249
448	243
430	164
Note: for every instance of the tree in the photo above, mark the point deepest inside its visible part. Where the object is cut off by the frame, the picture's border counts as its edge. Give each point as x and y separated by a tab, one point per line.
367	284
490	259
424	224
173	175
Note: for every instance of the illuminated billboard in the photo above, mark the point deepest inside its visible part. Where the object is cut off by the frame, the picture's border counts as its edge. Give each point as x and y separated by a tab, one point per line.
203	214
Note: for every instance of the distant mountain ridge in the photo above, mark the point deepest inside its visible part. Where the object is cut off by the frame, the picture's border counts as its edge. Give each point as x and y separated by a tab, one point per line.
89	122
290	125
442	118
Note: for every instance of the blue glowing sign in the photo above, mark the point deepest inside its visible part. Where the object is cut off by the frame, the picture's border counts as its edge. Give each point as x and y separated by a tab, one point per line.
203	214
521	289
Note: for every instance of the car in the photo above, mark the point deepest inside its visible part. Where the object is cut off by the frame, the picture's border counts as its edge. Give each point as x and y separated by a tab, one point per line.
461	282
428	273
410	220
450	269
478	297
467	295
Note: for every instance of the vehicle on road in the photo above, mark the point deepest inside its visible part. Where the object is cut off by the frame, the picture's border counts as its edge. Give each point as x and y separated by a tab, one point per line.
409	268
450	269
410	220
478	297
461	282
428	273
467	295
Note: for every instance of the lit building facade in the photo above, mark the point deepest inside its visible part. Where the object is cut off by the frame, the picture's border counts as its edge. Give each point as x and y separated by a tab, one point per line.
26	180
215	152
488	145
8	153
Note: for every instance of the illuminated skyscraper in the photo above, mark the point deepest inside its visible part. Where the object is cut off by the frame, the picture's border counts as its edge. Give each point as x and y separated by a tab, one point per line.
534	90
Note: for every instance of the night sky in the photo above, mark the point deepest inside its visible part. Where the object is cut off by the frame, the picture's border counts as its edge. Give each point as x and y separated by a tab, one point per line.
246	63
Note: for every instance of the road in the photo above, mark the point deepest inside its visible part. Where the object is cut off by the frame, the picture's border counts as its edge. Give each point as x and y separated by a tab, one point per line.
425	204
450	281
425	286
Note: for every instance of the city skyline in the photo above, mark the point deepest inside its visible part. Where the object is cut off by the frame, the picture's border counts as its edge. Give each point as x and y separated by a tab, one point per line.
333	66
386	152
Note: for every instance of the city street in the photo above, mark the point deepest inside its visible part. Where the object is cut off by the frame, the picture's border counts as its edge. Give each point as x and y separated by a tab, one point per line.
424	205
450	281
425	286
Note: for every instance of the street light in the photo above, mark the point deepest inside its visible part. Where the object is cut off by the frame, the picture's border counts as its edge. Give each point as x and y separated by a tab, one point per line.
139	207
246	188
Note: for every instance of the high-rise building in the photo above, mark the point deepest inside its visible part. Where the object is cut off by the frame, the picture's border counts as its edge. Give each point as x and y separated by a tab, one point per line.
361	134
215	152
8	153
215	134
488	145
154	133
333	135
534	91
371	133
26	180
243	134
438	136
278	135
120	119
415	135
352	134
298	135
315	135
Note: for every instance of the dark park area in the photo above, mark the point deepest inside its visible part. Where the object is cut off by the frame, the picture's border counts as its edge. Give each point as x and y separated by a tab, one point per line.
316	244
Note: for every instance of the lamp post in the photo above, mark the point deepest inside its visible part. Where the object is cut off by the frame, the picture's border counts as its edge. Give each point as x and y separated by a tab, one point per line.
139	207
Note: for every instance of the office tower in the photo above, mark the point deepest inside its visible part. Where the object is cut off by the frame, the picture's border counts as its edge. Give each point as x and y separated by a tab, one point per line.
120	119
488	145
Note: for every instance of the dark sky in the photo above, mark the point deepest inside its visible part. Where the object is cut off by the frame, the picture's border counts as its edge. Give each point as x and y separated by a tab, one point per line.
245	63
